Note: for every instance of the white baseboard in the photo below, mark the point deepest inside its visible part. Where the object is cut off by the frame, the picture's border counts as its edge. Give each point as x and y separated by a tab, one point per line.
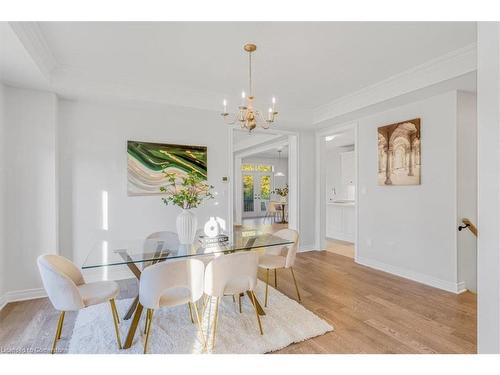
21	295
461	287
412	275
304	248
3	301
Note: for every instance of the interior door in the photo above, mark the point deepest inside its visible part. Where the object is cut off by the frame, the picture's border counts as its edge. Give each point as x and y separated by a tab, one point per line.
257	187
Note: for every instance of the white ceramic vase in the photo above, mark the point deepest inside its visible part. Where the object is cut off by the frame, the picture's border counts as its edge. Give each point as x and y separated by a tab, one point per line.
186	227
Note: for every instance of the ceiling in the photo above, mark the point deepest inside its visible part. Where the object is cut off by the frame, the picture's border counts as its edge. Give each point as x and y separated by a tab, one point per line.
16	65
303	64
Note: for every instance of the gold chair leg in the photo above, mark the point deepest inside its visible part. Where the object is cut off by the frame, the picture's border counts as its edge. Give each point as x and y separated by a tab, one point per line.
234	300
239	301
296	286
254	298
116	321
58	331
205	303
191	312
63	314
276	278
149	316
215	322
267	286
200	328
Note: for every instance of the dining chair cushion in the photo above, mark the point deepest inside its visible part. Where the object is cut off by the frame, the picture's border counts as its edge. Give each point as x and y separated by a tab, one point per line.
272	261
288	251
61	278
168	283
231	274
98	292
175	296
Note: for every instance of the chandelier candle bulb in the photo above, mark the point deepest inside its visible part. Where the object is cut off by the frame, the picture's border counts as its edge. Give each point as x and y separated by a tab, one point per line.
225	105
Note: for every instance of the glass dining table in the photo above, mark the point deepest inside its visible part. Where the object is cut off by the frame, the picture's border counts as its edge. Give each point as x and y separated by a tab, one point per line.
137	254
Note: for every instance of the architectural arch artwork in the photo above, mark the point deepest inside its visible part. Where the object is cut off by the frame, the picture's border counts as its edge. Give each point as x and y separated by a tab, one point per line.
399	153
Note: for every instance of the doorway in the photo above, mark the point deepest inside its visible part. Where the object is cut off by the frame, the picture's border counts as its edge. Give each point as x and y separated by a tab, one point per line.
337	190
265	180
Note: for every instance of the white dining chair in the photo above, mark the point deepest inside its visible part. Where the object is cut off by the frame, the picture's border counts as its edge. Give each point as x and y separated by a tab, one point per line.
170	284
68	291
230	275
277	257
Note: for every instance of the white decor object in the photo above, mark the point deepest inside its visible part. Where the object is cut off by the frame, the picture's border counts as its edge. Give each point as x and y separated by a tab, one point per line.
186	227
285	322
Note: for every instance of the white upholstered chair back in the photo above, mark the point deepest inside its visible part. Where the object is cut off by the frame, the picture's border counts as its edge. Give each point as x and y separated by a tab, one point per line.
290	250
158	278
60	278
231	274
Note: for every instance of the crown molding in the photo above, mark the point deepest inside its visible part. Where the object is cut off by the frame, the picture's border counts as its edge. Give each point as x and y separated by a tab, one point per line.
31	37
445	67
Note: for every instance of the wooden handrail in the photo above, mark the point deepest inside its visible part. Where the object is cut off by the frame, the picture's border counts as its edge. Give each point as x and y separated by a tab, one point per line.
467	224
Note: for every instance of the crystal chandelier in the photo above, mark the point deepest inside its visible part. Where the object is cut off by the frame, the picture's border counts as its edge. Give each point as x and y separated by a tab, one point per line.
248	116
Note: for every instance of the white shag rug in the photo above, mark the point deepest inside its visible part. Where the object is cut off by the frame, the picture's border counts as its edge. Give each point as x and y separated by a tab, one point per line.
172	332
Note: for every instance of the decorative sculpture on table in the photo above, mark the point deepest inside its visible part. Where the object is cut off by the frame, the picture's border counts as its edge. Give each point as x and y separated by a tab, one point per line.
399	153
147	163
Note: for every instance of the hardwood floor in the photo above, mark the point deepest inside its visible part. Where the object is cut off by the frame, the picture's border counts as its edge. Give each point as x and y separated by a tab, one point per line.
375	312
340	247
372	312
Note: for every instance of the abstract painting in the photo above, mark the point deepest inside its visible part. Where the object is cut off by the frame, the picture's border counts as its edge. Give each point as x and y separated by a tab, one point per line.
399	153
148	162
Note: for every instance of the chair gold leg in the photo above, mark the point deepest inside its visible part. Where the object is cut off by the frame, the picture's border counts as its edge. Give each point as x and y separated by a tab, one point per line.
296	286
276	278
63	314
215	322
254	298
239	301
200	328
234	300
190	312
58	331
267	287
149	317
116	321
205	303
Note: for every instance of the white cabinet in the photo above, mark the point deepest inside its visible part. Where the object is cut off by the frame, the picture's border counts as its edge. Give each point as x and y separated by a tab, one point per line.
347	168
340	221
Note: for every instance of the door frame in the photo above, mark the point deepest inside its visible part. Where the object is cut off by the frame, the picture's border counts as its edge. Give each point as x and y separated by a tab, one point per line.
321	182
292	138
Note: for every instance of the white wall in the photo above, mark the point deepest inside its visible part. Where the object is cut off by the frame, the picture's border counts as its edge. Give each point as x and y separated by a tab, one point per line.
467	186
307	190
93	158
30	189
488	244
411	230
2	192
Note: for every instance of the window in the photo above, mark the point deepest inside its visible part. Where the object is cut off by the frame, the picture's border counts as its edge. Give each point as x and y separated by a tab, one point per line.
256	168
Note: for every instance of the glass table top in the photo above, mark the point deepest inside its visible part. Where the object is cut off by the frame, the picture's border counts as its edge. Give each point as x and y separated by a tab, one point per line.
167	246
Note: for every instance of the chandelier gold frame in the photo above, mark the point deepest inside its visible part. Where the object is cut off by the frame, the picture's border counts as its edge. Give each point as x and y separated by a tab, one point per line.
247	115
